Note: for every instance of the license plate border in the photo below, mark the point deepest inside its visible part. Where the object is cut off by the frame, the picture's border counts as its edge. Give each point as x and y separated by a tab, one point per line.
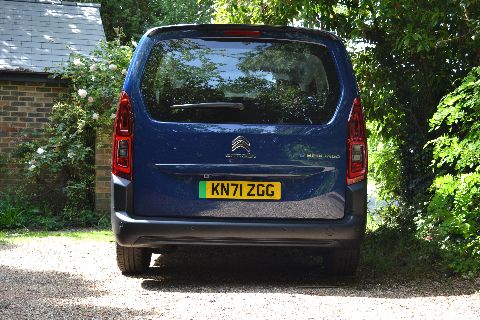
202	192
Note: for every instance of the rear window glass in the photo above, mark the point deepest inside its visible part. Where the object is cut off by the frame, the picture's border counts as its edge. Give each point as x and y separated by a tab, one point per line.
212	81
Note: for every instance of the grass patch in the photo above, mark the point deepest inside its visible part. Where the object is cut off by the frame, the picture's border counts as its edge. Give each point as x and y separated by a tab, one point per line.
390	252
23	236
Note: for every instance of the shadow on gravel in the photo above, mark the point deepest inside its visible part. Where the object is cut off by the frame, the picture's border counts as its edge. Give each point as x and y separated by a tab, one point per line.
237	266
52	295
234	268
252	269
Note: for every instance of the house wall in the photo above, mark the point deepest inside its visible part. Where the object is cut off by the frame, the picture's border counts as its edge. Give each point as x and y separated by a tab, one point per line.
27	106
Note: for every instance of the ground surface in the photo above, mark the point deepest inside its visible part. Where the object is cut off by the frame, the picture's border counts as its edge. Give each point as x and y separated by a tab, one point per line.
65	278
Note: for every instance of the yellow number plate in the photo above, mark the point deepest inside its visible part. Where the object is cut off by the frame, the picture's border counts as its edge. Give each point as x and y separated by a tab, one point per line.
240	190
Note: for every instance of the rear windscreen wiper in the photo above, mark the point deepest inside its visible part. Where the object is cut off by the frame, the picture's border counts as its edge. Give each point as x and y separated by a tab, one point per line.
209	105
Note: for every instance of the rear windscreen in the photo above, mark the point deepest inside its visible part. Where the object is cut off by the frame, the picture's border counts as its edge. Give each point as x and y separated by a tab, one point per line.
212	81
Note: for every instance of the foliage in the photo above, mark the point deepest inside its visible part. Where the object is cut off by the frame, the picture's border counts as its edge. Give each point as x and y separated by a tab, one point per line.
453	217
137	16
459	113
66	149
16	213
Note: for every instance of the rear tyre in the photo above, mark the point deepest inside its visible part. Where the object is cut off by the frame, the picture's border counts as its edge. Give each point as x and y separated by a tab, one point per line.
133	260
342	261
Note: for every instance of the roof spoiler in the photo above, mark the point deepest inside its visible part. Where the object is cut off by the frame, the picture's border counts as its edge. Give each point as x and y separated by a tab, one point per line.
158	30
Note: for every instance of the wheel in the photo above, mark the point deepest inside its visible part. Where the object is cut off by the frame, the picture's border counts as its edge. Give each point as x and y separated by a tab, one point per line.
133	260
342	261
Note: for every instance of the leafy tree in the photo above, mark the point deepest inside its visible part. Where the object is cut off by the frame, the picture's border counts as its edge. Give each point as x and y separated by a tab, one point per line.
137	16
134	17
407	55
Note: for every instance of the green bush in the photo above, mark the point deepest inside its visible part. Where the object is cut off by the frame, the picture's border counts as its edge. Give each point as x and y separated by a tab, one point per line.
17	213
61	162
453	216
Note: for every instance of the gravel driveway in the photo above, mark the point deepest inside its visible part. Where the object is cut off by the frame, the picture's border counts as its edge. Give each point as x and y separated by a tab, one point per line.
66	278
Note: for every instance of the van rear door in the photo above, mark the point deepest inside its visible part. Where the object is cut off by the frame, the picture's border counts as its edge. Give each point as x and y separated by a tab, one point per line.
241	125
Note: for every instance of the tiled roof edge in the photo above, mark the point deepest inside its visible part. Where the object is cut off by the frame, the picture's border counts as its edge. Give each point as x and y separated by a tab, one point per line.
65	3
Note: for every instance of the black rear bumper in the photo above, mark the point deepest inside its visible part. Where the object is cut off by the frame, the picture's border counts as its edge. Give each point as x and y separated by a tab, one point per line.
131	230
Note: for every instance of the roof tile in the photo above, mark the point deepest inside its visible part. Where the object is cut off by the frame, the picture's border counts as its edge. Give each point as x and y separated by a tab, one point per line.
35	34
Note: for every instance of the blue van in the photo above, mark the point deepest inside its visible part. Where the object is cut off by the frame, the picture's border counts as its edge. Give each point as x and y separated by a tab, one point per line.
239	135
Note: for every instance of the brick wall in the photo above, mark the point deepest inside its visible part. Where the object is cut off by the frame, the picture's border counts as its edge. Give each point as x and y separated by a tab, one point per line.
27	105
24	106
103	155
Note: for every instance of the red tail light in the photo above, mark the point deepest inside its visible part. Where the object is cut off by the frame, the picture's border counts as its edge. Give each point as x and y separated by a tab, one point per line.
356	144
122	139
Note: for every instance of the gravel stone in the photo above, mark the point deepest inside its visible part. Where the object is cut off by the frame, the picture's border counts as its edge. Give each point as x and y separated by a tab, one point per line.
66	278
